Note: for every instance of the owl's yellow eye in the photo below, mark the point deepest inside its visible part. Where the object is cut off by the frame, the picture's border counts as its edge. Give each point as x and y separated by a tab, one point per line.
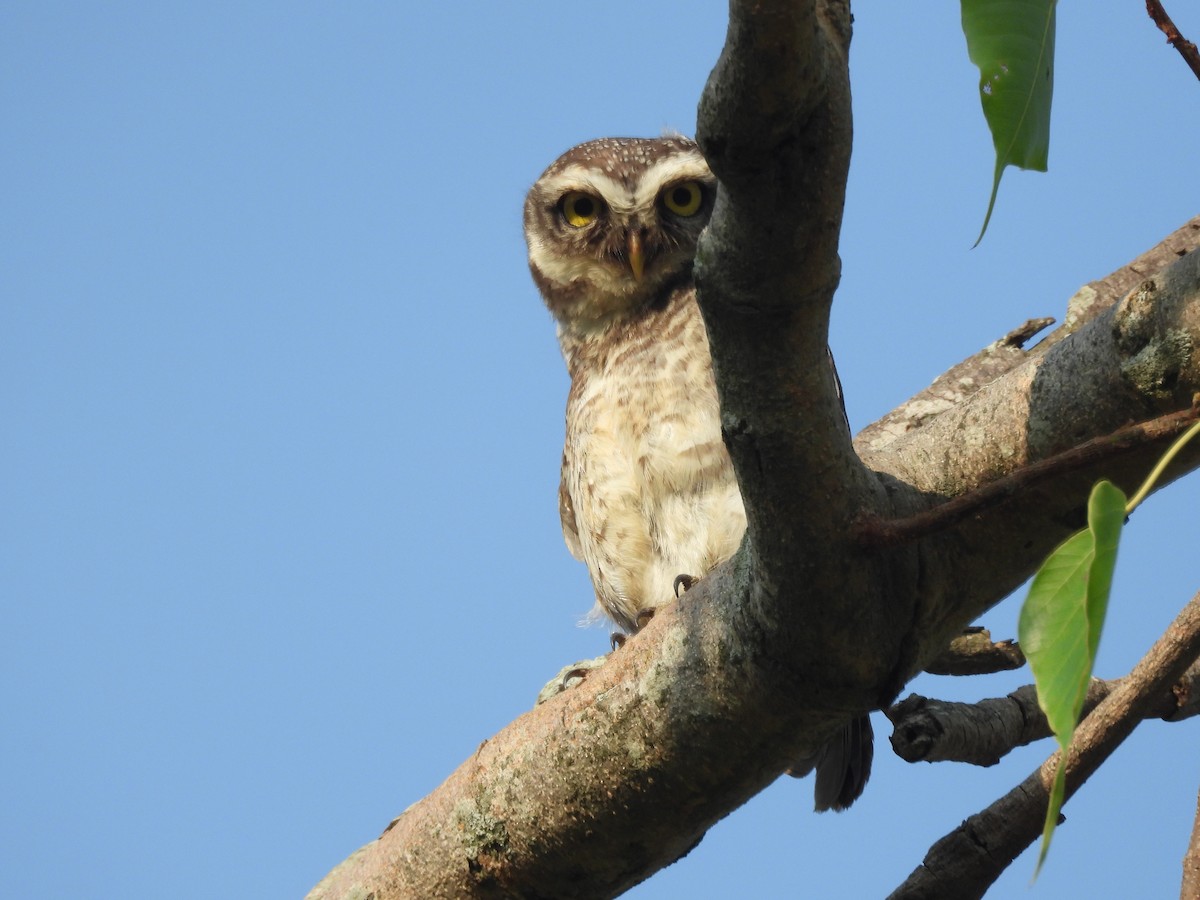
683	199
579	209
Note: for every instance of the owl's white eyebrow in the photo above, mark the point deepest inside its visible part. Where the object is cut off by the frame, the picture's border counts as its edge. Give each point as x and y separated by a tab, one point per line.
673	168
580	178
618	197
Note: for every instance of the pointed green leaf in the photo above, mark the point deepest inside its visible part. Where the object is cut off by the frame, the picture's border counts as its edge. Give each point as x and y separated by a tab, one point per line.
1012	43
1061	622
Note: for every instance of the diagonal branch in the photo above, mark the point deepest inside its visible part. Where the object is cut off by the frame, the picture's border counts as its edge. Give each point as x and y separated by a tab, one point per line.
1141	354
878	532
1186	48
968	860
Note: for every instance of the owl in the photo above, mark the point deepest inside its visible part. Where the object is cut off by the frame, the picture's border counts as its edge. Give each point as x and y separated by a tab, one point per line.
648	496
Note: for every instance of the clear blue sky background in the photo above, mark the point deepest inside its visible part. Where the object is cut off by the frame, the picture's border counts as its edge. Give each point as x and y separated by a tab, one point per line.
282	415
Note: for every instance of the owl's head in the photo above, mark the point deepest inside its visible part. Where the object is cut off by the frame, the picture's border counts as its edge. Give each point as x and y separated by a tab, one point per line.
612	226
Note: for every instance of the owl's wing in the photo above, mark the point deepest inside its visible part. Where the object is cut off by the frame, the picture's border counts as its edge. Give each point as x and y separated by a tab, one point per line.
566	511
837	383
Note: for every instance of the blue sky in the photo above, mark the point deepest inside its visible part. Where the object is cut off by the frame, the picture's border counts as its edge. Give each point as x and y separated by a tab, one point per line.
283	415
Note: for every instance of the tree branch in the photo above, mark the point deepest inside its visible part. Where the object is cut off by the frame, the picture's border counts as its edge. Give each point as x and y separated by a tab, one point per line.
1190	889
877	532
983	733
1186	48
1140	354
967	861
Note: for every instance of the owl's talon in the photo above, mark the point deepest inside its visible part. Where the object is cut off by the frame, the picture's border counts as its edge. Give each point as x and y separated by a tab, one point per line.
685	582
643	617
568	677
617	640
580	672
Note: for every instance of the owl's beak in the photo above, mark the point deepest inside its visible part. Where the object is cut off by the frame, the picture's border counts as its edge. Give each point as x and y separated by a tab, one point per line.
637	261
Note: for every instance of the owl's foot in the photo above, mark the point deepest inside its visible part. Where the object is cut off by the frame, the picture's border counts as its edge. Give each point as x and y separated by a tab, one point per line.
685	582
643	616
640	621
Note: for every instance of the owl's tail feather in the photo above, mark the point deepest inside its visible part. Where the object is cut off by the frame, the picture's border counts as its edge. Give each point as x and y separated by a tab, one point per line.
843	766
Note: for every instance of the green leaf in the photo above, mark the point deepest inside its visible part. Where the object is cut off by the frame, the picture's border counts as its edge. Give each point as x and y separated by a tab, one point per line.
1061	621
1012	43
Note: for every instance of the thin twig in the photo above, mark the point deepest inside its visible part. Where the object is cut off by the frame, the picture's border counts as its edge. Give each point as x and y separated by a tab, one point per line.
875	531
1186	48
968	860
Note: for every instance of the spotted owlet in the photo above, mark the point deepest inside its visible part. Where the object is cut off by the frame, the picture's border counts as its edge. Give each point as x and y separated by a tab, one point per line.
648	491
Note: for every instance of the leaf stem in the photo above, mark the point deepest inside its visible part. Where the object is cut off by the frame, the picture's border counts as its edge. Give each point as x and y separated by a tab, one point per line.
1148	484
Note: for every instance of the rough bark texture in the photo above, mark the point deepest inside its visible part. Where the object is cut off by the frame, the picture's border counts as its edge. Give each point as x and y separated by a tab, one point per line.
807	626
983	733
975	653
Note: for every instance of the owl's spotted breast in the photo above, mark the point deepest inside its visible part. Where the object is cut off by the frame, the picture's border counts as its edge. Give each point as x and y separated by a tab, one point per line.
649	480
